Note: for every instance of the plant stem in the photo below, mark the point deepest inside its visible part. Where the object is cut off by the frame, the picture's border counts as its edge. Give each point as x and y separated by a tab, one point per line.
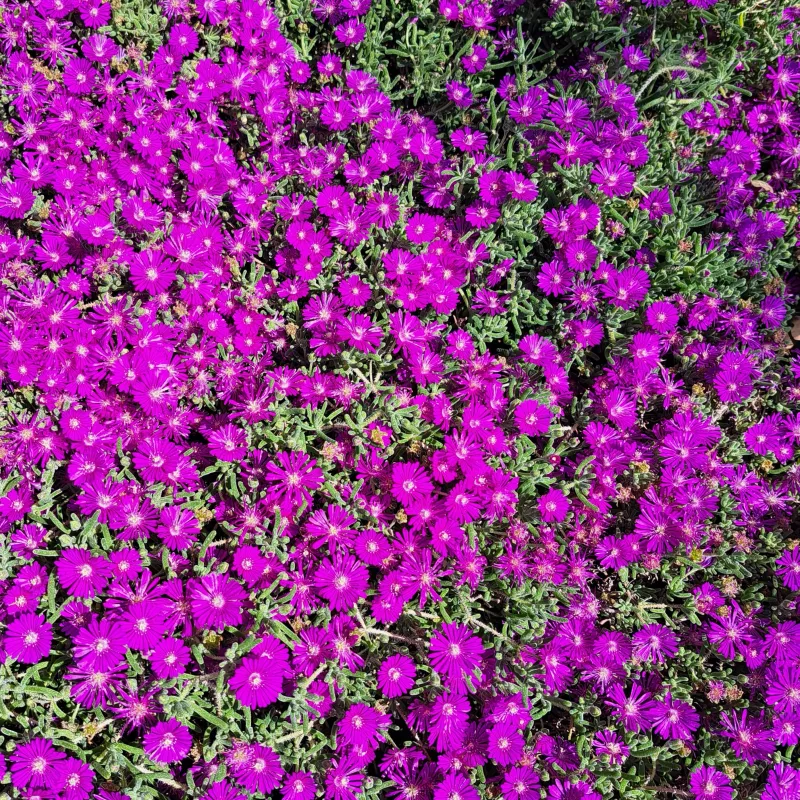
673	68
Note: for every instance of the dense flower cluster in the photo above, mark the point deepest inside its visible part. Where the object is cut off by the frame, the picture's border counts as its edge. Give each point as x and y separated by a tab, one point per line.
345	16
479	15
355	449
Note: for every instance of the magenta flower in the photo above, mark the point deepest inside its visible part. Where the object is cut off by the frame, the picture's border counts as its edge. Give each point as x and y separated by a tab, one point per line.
74	779
505	743
455	785
410	482
657	204
674	719
448	721
101	644
662	316
257	681
783	781
341	581
144	623
343	781
532	418
610	744
396	675
635	710
655	643
786	729
169	658
261	771
635	59
789	568
566	790
708	783
28	638
613	178
167	742
286	349
455	653
299	786
81	573
178	527
783	688
35	764
520	783
361	726
554	506
293	477
229	443
216	601
750	739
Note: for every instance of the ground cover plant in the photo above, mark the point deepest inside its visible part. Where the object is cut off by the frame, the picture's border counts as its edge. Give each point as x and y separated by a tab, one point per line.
399	400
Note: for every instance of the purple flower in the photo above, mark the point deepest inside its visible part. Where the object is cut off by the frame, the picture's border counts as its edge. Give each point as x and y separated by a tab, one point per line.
460	94
216	601
169	658
178	528
609	743
635	59
783	783
167	741
28	638
229	443
674	719
634	710
361	726
344	779
613	178
267	355
396	675
455	653
74	779
569	790
783	688
789	568
662	316
505	743
35	764
657	204
655	643
553	506
100	644
448	721
455	785
341	581
299	786
475	60
520	783
708	783
532	417
786	729
81	573
258	680
261	771
750	739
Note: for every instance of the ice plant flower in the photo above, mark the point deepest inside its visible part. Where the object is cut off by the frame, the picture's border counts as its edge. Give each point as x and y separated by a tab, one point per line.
167	741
